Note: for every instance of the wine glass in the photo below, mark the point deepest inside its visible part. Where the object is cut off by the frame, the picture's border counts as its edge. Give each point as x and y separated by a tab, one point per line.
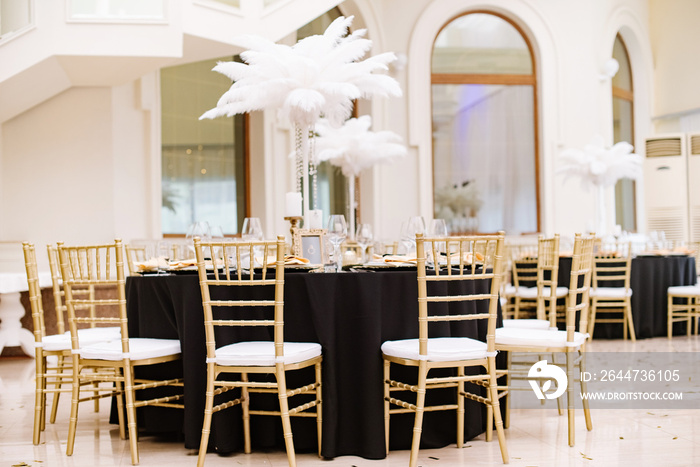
252	229
364	238
409	229
337	231
197	229
438	229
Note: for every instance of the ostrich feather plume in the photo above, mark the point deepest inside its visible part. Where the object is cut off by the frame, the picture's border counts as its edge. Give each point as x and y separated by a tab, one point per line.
599	165
353	147
318	76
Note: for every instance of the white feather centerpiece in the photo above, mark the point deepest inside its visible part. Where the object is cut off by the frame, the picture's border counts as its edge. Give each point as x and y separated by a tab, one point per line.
318	76
353	147
601	166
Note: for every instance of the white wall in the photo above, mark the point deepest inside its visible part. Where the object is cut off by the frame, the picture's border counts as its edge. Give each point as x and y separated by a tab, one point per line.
109	136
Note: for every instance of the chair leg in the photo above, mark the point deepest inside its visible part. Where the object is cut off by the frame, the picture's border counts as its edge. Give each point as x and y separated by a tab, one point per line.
39	396
60	372
630	321
591	321
284	413
208	410
506	422
245	407
75	396
131	412
669	316
570	397
496	409
420	407
119	387
387	404
319	408
460	412
584	389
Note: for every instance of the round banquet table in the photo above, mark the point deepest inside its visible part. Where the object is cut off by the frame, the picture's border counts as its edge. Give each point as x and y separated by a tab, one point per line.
650	278
350	314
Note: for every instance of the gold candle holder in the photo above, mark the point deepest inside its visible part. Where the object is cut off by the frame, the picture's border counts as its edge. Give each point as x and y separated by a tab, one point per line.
294	221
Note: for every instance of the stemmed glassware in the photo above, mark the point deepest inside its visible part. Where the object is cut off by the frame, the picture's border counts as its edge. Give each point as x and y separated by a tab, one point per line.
364	238
252	232
337	232
409	229
252	229
437	229
197	229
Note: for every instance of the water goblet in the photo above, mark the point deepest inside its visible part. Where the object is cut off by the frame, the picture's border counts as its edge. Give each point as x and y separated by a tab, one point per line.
197	229
364	238
337	232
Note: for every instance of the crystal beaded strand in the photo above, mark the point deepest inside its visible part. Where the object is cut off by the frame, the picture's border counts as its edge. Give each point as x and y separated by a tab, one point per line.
313	169
299	158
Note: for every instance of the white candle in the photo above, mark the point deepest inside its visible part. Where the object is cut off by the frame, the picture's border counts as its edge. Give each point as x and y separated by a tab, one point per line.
293	204
314	220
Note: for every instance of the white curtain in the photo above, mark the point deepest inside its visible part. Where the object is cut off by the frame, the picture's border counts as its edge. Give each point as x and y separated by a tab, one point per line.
490	143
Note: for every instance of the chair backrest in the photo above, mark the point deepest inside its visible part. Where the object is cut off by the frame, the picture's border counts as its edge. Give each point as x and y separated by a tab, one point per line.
547	276
59	295
579	284
35	301
612	265
94	266
57	287
469	274
134	253
226	265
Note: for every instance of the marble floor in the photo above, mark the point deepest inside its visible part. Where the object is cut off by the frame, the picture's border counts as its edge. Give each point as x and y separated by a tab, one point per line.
535	437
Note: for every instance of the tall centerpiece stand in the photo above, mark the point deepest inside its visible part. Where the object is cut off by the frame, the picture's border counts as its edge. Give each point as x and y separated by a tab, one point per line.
301	82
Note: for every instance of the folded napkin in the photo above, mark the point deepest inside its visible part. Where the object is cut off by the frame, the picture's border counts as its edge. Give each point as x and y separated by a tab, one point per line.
395	259
289	260
183	263
292	260
152	264
467	258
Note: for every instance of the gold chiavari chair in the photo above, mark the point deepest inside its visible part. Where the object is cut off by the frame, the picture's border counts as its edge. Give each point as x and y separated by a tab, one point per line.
683	304
610	288
52	354
542	270
258	313
112	361
134	253
478	260
569	342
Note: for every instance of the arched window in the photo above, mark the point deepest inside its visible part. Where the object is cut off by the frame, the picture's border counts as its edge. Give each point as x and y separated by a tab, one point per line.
485	169
623	130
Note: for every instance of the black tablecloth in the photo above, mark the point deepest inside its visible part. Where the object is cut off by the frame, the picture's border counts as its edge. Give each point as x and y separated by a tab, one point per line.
650	278
350	315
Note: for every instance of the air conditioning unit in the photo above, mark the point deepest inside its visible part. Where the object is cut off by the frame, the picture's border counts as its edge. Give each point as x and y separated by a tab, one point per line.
694	185
666	185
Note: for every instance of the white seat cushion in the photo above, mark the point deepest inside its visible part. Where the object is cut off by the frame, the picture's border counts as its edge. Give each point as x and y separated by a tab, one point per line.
537	337
526	323
440	349
139	348
509	290
86	336
262	353
686	290
610	292
531	292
